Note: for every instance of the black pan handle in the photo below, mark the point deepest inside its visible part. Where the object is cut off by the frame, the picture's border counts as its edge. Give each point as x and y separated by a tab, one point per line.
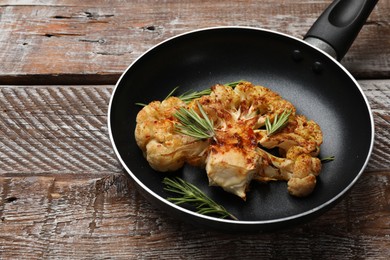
339	24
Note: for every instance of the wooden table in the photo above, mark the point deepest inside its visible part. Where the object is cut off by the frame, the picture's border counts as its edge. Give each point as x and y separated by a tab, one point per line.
63	193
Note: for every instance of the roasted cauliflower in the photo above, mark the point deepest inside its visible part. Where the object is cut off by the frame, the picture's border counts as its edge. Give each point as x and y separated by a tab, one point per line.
240	147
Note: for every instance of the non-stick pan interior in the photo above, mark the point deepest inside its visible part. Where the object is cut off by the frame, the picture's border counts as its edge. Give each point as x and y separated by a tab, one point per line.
313	82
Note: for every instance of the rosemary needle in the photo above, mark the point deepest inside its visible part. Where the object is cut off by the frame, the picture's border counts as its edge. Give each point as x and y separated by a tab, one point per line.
328	159
168	96
233	84
279	122
191	194
191	95
194	125
171	93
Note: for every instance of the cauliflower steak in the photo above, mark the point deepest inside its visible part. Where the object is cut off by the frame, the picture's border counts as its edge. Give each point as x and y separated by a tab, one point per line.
241	148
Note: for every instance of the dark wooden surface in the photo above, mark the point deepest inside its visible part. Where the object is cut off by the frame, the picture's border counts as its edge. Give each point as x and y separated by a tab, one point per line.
63	194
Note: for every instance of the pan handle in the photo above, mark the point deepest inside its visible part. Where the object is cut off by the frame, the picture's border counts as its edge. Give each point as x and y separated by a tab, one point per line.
337	27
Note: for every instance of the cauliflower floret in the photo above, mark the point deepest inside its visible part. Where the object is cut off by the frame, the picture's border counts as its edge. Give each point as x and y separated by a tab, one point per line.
298	133
303	179
219	105
163	147
300	172
155	121
299	143
260	102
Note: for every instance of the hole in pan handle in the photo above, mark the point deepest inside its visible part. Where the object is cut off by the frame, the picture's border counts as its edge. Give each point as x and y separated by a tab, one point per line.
337	27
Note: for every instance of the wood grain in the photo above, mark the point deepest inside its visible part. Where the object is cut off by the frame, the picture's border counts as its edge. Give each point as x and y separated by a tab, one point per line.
63	192
64	195
378	94
48	129
77	216
93	42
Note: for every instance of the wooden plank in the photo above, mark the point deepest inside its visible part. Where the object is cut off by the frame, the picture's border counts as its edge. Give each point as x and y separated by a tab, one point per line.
80	216
60	129
74	42
55	129
378	94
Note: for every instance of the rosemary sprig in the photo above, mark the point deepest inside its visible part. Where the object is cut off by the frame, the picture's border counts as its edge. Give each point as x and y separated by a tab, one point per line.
141	104
191	95
171	93
191	194
188	96
192	124
279	122
233	84
328	159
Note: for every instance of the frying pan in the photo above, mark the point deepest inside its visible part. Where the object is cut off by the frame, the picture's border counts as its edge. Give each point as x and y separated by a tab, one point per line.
305	72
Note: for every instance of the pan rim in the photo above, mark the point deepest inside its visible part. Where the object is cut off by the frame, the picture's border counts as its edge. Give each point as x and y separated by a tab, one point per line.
242	222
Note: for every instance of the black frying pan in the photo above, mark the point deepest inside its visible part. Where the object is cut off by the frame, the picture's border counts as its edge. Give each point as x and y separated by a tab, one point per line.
306	75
